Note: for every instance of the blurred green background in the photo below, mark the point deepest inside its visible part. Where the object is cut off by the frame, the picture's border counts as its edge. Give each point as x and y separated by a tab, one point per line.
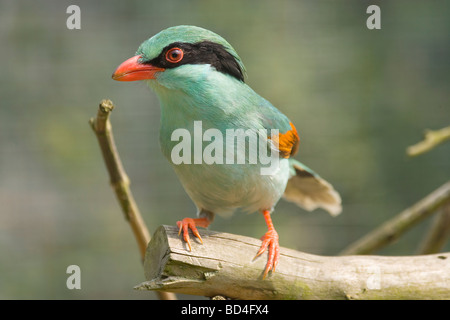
358	98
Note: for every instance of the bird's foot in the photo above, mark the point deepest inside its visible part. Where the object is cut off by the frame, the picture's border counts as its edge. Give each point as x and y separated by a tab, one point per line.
189	223
270	241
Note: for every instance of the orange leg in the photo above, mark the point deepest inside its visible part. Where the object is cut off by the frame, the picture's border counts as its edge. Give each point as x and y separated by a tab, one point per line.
189	223
270	240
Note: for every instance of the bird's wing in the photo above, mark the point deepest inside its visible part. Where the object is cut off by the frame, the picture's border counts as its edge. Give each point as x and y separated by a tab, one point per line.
305	187
287	139
309	191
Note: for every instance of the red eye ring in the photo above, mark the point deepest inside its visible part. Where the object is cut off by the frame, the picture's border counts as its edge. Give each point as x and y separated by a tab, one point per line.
174	55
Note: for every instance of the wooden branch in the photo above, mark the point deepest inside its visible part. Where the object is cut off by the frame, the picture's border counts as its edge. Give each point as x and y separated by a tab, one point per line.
395	227
118	177
438	234
120	181
224	266
432	139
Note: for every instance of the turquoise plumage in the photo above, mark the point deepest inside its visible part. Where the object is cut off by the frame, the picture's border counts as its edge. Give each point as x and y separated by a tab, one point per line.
199	80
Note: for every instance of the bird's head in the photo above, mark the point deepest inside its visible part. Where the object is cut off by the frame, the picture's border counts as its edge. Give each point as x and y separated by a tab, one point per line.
181	55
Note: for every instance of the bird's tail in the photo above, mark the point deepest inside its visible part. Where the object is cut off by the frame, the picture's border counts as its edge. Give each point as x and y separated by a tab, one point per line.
309	191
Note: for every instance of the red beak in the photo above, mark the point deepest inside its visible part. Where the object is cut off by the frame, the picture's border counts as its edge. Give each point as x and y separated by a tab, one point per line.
133	70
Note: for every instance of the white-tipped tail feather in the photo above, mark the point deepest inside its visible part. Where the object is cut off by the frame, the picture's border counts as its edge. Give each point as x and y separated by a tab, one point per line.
309	191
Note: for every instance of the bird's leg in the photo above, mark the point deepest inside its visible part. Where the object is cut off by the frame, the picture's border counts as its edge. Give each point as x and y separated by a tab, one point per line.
184	225
270	240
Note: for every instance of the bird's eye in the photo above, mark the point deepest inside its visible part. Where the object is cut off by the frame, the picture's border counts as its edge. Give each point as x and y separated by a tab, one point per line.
174	55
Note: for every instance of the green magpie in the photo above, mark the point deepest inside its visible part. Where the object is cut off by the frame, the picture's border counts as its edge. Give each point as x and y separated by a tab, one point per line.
199	78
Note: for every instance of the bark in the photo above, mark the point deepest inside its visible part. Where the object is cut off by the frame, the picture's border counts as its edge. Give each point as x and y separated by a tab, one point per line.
224	266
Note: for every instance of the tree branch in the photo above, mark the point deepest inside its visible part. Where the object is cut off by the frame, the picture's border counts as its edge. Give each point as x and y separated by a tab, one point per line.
393	228
432	139
224	266
438	234
120	181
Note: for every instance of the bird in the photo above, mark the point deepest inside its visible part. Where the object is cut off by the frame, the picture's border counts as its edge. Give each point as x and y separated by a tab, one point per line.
200	82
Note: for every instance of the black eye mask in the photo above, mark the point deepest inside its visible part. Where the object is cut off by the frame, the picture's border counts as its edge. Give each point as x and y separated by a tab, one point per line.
205	52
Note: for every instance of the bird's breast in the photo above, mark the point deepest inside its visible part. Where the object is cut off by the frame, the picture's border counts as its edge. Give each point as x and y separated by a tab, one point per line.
216	147
219	177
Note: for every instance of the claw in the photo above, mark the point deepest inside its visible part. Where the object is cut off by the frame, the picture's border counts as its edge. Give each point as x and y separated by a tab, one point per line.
270	242
189	223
